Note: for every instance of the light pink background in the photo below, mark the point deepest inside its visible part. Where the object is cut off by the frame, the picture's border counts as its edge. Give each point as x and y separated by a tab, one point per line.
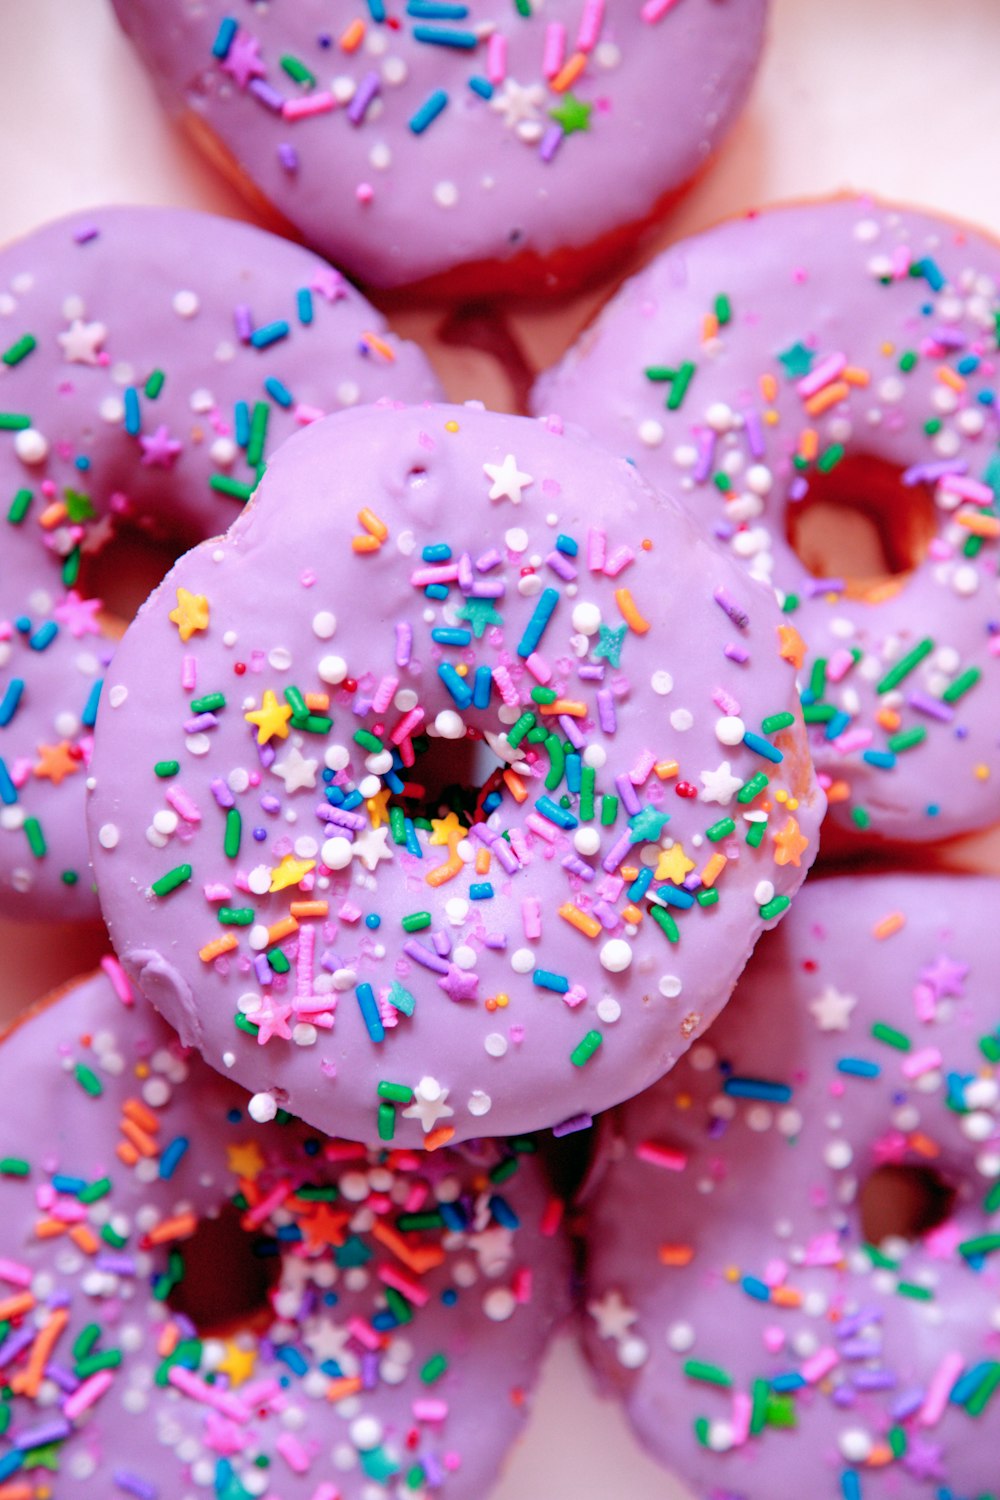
897	96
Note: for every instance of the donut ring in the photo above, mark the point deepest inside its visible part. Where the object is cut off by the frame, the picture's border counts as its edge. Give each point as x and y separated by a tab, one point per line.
193	1303
850	339
761	1345
151	356
449	575
482	147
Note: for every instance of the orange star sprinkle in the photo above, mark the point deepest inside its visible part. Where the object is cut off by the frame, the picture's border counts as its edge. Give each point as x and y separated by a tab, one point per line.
791	646
789	843
56	762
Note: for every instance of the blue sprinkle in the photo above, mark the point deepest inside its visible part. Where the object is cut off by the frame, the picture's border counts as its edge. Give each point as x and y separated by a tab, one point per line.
436	552
567	544
412	842
436	591
171	1157
858	1067
436	10
278	391
545	980
369	1012
224	38
640	885
133	418
967	1382
271	333
394	782
385	1321
675	895
304	305
756	1288
446	36
503	1213
968	364
44	636
883	759
89	715
543	611
10	700
931	272
8	791
837	725
66	1184
292	1357
556	814
792	1381
491	803
850	1485
376	9
480	890
242	423
574	772
373	921
760	746
352	800
482	687
451	635
10	1463
453	1216
456	685
757	1088
481	86
429	110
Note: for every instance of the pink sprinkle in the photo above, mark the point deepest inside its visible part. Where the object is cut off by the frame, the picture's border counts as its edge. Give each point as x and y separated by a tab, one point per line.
774	1339
840	663
326	1492
384	694
364	192
924	1002
189	674
446	573
552	1217
539	668
182	804
407	725
917	1063
826	371
939	1390
574	996
304	961
538	825
199	1390
726	701
742	1410
590	25
821	1363
86	1395
119	979
293	1452
555	48
523	1285
901	262
969	489
305	415
597	542
661	1156
412	1290
655	10
255	1216
505	687
496	58
364	1333
531	918
853	739
309	104
618	561
15	1273
430	1411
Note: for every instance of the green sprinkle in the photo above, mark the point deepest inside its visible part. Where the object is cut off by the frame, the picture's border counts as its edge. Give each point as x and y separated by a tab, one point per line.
241	1023
780	1410
752	789
279	963
258	433
397	825
774	722
505	1170
861	818
366	739
584	1051
790	604
417	921
236	916
79	507
720	830
544	695
398	1305
96	1190
88	1080
588	777
396	1093
20	350
755	832
984	1390
36	838
897	1441
154	385
13	421
297	70
234	488
830	458
905	665
433	1369
758	1406
891	1036
208	704
933	426
609	810
992	1200
298	705
665	923
915	1292
817	677
233	834
386	1122
708	898
165	768
774	907
520	728
19	507
14	1166
908	361
983	1244
71	568
723	309
107	1359
961	685
989	1046
906	739
659	372
697	1369
679	385
179	875
876	1257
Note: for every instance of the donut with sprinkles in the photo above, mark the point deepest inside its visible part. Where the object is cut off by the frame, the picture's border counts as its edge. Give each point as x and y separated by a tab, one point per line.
499	145
151	359
792	1274
487	768
192	1303
842	352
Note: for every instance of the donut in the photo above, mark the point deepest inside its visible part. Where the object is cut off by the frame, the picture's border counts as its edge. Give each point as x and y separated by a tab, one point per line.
501	147
459	720
791	1272
151	358
193	1303
841	353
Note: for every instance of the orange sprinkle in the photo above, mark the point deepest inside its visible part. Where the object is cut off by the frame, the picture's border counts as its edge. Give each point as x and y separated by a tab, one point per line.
365	543
515	786
347	1385
19	1490
300	909
281	929
53	515
771	418
445	872
879	1456
17	1305
888	925
923	1145
418	1258
85	1239
837	390
482	861
630	612
888	719
380	347
713	869
808	443
878	593
838	791
571	706
352	36
180	1227
589	926
948	376
676	1255
47	1229
786	1296
631	913
568	73
978	524
371	522
665	769
27	1381
709	328
126	1153
135	1110
168	1340
143	1142
217	947
855	376
768	386
317	703
439	1137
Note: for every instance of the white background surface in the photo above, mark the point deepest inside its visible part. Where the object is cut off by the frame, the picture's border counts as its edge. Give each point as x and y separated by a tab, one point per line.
897	96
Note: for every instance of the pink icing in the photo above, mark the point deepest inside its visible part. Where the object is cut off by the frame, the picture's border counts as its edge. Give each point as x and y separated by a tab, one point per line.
515	160
550	939
158	307
762	1347
886	318
410	1294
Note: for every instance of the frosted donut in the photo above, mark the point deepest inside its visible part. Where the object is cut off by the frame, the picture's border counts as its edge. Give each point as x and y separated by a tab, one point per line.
505	146
195	1304
353	908
844	350
151	359
762	1345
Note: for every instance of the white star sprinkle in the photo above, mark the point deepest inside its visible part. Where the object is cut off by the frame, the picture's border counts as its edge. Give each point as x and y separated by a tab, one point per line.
429	1104
81	342
296	771
519	105
371	847
612	1315
508	481
720	786
832	1009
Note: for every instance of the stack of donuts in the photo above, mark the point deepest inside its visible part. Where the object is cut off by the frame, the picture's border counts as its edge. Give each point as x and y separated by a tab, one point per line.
441	822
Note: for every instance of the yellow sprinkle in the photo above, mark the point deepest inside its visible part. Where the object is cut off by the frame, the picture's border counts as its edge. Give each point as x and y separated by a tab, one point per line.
289	872
982	773
190	615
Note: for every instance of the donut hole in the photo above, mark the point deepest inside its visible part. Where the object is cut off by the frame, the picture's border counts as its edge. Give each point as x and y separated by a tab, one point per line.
449	775
228	1276
123	574
859	522
903	1202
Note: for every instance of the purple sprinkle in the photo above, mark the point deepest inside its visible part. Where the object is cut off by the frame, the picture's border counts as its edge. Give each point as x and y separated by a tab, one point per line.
617	852
492	588
131	1484
201	722
350	820
551	141
269	803
948	338
754	432
466	577
288	157
907	1403
262	969
607	916
267	755
561	566
363	96
53	1431
627	792
489	560
606	711
860	1348
848	1327
798	489
928	473
242	322
736	652
495	940
817	586
569	728
577	866
844	1395
591	672
874	1380
570	1126
85	233
424	956
505	856
728	605
404	643
12	1346
369	1370
442	943
118	1265
706	455
932	707
221	793
268	96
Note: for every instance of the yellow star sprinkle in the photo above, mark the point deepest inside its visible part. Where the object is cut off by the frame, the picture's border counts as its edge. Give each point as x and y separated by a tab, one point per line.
673	864
378	807
290	872
245	1160
447	830
190	615
238	1363
271	718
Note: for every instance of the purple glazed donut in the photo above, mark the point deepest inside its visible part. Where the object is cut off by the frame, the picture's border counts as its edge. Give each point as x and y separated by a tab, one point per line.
844	350
452	788
764	1347
503	146
194	1304
151	359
